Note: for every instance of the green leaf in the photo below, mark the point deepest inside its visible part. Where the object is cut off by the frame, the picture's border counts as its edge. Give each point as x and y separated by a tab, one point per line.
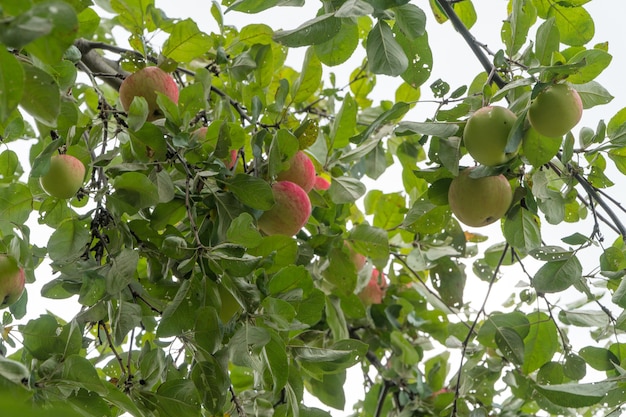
406	352
515	28
186	42
83	374
510	344
538	149
258	33
598	358
575	24
373	242
133	191
354	8
329	389
596	60
254	6
340	47
516	321
310	78
449	280
275	353
122	271
178	397
384	54
212	383
11	84
548	40
16	203
41	98
332	360
557	276
344	190
540	343
252	191
134	15
69	241
344	125
439	129
521	229
64	27
576	395
208	332
243	231
411	20
313	32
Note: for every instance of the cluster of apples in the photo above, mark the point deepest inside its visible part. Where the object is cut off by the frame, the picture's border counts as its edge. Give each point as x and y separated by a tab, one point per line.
481	201
291	193
12	280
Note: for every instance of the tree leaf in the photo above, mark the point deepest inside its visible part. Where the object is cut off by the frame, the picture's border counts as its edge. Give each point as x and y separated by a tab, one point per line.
540	343
576	395
313	32
41	98
557	276
11	84
384	54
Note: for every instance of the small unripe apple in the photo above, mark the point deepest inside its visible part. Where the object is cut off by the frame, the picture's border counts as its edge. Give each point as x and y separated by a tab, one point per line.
478	202
374	292
290	212
146	83
12	281
555	110
321	184
65	176
301	171
486	134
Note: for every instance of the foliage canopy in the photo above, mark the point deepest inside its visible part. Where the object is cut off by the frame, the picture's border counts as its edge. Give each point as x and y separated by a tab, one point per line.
186	309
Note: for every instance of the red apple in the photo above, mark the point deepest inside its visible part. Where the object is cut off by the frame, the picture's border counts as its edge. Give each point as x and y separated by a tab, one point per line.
12	281
301	171
321	183
478	202
486	134
146	83
358	259
290	212
374	292
64	178
555	110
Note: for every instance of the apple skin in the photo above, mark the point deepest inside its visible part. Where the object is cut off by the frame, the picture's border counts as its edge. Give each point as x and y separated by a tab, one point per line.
486	134
556	110
12	280
290	212
374	292
301	171
64	178
146	83
321	184
481	201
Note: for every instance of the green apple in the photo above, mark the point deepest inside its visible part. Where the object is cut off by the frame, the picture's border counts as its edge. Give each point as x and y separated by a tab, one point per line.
301	171
12	281
375	290
290	212
478	202
486	134
146	83
555	110
64	178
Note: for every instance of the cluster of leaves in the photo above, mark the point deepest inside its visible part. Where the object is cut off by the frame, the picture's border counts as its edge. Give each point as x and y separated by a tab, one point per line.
187	310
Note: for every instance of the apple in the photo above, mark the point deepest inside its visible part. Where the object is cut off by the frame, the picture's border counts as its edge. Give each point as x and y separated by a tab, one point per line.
301	171
374	292
290	212
146	83
478	202
321	184
555	110
486	134
230	161
64	178
12	281
357	259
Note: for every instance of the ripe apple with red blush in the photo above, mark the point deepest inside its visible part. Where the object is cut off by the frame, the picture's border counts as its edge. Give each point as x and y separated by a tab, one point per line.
375	290
301	171
64	178
146	83
290	212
